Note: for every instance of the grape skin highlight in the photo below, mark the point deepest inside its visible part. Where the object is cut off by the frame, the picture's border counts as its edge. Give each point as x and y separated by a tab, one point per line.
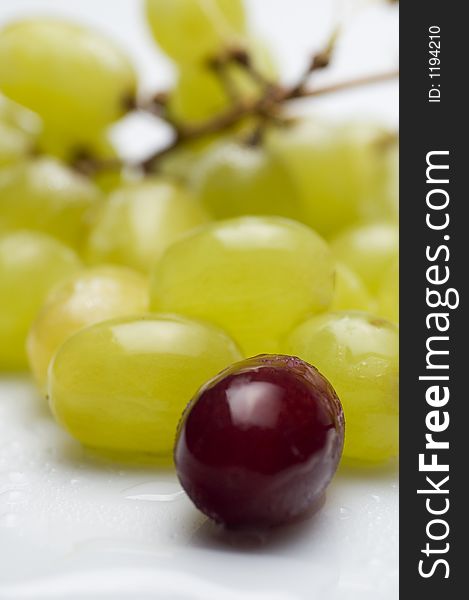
90	296
358	353
259	443
122	385
31	264
254	277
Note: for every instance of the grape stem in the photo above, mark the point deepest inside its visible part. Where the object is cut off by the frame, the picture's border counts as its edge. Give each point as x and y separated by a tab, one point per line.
265	107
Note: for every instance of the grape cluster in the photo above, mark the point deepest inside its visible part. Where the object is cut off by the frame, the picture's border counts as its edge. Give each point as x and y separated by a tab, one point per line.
127	288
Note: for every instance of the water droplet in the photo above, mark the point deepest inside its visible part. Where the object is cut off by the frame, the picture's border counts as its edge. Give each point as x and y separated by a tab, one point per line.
344	513
155	491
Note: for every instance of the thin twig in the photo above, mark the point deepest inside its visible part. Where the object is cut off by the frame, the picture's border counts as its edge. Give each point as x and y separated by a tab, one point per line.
262	108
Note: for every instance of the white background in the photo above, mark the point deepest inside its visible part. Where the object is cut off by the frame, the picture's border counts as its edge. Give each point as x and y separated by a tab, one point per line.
72	527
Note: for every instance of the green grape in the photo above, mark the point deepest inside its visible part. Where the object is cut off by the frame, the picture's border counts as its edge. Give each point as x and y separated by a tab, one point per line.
69	150
90	296
254	277
31	264
19	129
14	144
334	168
390	181
368	250
358	353
43	194
235	179
200	93
388	293
75	79
194	30
19	117
350	293
140	221
122	385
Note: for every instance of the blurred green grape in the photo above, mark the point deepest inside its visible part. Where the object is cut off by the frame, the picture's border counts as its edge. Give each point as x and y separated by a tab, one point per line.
31	263
235	179
140	220
19	129
253	276
44	195
87	297
388	293
201	93
350	293
358	353
74	78
334	167
368	250
192	31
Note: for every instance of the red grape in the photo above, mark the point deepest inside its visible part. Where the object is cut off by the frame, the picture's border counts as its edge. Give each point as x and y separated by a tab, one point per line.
259	443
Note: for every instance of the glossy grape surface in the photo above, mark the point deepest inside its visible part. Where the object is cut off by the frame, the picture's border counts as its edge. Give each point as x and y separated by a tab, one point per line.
254	277
368	250
233	180
195	30
140	220
44	195
90	296
122	385
358	353
30	265
76	79
258	444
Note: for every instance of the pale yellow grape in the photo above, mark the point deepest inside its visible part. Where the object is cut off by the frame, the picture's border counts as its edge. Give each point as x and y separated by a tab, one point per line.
368	250
254	277
75	78
334	167
200	93
388	293
358	354
122	385
31	264
140	220
233	179
194	30
90	296
350	293
45	195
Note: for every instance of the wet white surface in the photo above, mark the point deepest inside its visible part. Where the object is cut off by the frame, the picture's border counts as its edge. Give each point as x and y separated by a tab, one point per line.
73	527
